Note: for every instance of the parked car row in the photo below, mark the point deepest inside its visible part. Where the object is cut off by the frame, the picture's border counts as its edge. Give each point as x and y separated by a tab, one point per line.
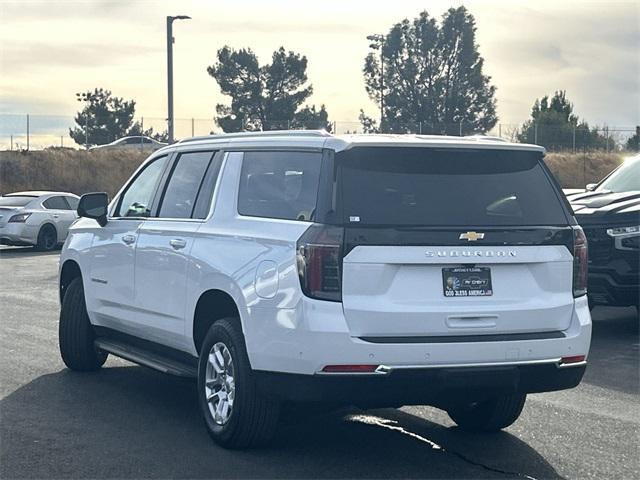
376	270
608	211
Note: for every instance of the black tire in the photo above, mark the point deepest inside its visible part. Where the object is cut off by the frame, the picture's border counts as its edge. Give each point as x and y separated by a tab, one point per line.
489	415
47	238
75	333
253	418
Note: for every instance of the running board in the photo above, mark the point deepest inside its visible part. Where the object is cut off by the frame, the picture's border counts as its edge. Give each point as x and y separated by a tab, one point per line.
146	358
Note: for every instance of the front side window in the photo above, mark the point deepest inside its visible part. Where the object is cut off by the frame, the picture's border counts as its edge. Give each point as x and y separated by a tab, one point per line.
186	179
137	198
279	184
55	203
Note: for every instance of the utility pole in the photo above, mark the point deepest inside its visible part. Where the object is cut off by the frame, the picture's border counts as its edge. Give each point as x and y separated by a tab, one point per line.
170	41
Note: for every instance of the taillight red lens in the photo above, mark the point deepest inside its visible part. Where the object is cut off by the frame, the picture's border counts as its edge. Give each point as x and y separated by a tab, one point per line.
572	359
319	257
580	262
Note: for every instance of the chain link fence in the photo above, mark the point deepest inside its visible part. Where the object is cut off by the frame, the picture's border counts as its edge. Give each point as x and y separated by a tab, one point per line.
20	132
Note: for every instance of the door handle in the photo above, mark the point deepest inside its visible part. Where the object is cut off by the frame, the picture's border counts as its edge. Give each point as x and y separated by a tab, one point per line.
178	243
128	239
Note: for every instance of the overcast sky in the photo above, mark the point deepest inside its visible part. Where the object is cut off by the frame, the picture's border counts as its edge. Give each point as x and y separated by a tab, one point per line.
49	50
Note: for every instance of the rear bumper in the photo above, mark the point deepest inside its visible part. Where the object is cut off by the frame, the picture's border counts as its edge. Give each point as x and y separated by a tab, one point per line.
604	289
18	234
440	387
307	339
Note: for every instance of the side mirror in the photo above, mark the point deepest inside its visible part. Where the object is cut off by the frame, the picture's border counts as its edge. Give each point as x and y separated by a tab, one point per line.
94	205
591	187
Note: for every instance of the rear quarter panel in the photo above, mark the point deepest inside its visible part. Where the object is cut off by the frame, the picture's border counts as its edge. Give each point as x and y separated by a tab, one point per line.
251	259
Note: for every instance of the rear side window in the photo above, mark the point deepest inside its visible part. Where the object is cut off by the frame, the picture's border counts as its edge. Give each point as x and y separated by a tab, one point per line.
445	187
56	203
184	184
73	202
279	184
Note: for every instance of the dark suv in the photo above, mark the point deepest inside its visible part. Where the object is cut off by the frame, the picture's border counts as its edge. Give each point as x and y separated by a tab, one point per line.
609	213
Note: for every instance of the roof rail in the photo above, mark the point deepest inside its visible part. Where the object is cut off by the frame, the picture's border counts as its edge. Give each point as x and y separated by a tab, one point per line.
486	137
260	134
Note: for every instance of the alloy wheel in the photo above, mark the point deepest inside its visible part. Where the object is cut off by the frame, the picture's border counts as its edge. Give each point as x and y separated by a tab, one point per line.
219	387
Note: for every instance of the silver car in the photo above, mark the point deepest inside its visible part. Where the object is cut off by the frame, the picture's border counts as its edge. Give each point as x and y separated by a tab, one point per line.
41	219
139	142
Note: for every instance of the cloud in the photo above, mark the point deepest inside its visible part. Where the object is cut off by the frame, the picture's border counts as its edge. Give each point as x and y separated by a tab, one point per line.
531	49
26	57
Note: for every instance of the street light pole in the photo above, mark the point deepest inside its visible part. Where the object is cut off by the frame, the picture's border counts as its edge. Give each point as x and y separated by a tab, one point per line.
85	97
378	42
381	85
170	73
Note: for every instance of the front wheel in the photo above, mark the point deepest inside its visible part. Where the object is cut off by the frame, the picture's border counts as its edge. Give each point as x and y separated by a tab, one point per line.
489	415
235	413
75	332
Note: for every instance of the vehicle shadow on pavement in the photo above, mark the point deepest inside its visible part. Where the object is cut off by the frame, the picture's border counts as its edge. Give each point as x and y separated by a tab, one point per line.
133	422
25	252
615	347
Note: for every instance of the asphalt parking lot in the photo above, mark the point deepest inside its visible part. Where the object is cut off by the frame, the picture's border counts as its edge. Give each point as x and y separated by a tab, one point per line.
131	422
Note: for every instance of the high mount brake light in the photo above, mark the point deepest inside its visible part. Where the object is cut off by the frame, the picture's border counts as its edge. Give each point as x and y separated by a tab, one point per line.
319	258
580	262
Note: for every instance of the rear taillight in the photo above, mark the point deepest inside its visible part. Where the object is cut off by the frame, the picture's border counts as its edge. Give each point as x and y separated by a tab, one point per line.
572	359
19	218
319	257
580	259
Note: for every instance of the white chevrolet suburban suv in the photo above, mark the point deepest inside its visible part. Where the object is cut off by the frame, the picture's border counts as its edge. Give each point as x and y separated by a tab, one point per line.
299	266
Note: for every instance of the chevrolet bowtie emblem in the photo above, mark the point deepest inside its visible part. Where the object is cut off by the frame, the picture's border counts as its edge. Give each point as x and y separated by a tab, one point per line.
471	236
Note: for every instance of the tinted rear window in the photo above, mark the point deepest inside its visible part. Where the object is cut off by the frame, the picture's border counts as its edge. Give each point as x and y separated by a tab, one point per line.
56	203
445	187
16	201
279	184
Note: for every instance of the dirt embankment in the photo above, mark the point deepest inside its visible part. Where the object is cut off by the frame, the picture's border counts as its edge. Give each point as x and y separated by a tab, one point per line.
65	170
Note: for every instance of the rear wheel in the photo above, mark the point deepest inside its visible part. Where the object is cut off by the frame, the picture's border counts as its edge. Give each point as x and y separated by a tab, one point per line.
75	333
47	238
489	415
235	413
